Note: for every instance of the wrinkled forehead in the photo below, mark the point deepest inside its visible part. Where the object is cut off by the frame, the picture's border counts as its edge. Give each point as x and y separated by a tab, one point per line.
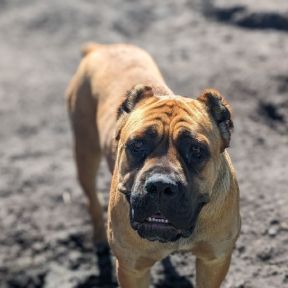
169	116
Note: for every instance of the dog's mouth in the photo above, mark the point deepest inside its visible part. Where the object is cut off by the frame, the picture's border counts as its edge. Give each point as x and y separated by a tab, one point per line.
158	228
157	219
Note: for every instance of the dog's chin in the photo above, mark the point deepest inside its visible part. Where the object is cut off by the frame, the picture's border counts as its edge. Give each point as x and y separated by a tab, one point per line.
162	232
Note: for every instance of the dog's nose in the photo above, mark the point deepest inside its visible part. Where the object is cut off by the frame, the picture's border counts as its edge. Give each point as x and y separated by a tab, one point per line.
162	185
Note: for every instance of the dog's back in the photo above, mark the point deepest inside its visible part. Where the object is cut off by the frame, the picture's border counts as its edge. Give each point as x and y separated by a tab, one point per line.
97	88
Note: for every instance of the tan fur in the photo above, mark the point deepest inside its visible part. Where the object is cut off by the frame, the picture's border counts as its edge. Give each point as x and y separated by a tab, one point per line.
94	94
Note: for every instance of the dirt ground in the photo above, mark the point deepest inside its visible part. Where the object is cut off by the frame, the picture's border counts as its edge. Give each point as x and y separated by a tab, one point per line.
239	47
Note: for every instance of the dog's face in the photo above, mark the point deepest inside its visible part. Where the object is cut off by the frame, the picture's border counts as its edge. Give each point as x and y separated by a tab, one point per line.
168	159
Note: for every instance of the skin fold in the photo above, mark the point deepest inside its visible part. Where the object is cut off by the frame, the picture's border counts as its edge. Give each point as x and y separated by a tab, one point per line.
168	159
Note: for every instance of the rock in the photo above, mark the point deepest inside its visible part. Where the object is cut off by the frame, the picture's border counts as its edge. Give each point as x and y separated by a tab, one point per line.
273	231
265	255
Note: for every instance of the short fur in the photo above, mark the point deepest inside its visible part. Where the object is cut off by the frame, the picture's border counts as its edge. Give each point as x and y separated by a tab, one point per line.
105	118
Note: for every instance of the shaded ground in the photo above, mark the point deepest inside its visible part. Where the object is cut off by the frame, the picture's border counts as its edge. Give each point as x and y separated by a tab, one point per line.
45	232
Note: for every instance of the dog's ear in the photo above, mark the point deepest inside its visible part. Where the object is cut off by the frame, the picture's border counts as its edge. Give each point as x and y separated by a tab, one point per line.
220	111
134	96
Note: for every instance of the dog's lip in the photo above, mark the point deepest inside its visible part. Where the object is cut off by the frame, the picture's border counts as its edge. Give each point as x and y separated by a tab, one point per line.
157	231
162	225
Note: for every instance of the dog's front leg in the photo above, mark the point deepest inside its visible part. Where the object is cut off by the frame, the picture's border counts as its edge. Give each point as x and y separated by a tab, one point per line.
211	273
131	277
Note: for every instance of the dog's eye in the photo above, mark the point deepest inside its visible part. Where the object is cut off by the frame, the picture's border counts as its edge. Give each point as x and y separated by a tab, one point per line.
137	148
195	154
196	151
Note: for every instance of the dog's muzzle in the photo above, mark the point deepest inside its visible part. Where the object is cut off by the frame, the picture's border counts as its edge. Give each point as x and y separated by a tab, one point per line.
161	210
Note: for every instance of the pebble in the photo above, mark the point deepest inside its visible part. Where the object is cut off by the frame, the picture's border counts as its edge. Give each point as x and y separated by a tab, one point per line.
66	196
284	226
265	255
273	231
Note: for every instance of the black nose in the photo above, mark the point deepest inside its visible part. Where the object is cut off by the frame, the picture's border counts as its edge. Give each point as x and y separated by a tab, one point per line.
162	185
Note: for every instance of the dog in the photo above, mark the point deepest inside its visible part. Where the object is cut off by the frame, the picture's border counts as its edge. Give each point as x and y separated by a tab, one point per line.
173	185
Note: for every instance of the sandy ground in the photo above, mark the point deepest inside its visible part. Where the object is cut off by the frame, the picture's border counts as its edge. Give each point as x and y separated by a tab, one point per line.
239	47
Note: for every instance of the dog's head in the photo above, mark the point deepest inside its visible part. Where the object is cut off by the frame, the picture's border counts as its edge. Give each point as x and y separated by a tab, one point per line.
168	158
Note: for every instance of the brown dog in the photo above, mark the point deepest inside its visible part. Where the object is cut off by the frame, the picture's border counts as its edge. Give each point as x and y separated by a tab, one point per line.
173	184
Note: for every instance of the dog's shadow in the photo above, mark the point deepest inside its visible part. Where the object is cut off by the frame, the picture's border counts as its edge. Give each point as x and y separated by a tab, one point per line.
106	277
172	278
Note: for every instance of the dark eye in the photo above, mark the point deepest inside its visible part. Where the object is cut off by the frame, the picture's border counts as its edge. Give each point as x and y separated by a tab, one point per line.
137	148
195	153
